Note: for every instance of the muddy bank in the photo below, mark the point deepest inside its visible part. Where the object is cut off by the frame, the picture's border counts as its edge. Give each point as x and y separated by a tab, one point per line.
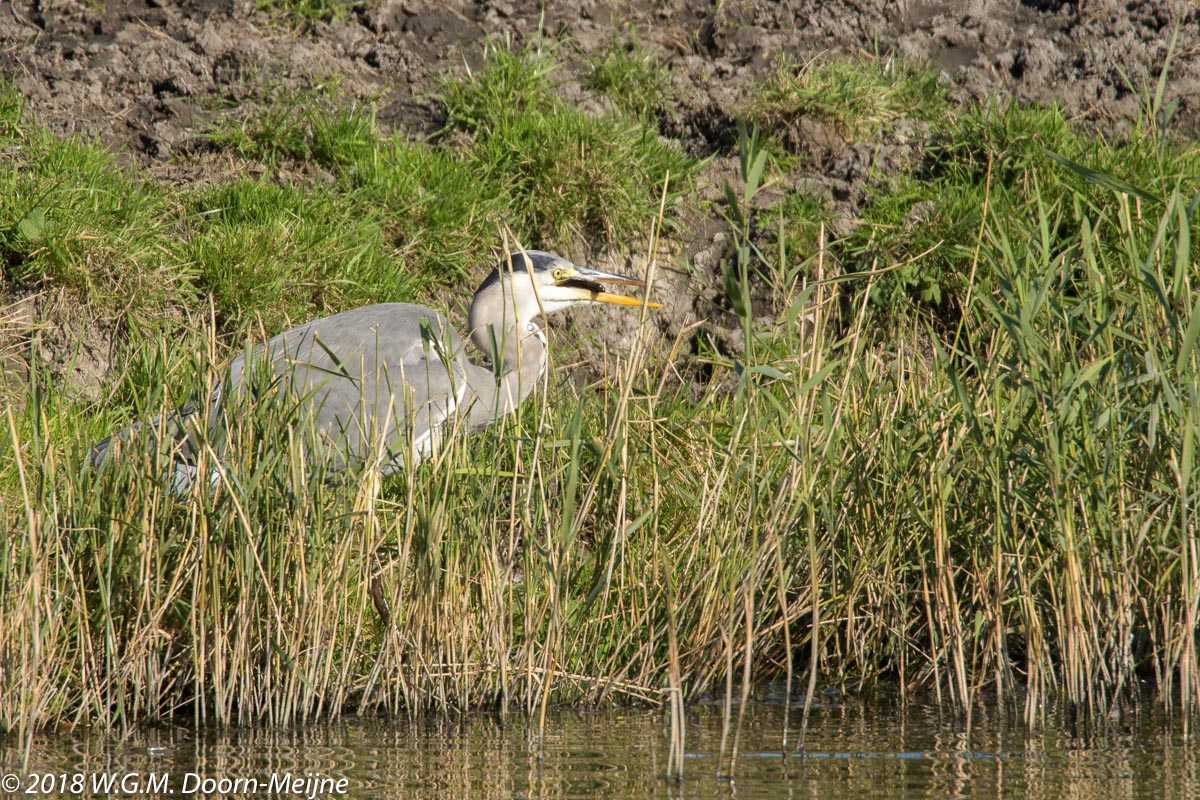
143	76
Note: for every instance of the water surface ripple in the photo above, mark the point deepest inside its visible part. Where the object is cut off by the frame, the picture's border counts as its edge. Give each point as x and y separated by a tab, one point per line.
853	749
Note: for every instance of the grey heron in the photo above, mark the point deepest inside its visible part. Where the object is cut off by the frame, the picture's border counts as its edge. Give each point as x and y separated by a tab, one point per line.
383	382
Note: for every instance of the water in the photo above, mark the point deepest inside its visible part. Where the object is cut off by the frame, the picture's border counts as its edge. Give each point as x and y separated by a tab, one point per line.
854	750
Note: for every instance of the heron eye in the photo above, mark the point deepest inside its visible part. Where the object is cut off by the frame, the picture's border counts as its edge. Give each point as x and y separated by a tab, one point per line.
558	273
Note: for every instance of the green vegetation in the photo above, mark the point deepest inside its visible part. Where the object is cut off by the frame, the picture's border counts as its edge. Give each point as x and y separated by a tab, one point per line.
630	74
558	172
302	126
996	159
301	10
395	218
856	97
70	218
996	498
285	253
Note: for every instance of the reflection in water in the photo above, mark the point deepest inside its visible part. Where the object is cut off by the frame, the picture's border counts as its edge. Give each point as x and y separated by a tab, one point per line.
852	750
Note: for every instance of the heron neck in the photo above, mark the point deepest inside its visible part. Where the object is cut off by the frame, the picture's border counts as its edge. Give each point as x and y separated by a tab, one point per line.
518	361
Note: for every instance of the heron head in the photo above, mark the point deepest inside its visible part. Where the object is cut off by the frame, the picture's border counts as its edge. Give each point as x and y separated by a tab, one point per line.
531	283
537	282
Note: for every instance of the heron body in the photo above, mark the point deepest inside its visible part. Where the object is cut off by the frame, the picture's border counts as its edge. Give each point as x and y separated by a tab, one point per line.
383	383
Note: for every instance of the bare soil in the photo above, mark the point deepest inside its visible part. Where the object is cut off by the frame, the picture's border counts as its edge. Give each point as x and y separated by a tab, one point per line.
145	77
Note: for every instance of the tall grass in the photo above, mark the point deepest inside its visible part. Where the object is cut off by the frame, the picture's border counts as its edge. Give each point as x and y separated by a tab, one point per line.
1006	513
1017	520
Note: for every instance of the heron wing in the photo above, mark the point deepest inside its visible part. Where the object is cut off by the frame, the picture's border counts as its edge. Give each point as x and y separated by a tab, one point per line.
377	382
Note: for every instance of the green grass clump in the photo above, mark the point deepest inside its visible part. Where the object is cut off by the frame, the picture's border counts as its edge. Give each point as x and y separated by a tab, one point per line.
792	230
437	213
300	126
529	161
997	158
436	216
280	255
301	10
856	97
631	75
70	217
561	172
268	254
511	82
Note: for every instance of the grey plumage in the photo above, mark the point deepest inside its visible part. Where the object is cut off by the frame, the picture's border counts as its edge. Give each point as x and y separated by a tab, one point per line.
389	380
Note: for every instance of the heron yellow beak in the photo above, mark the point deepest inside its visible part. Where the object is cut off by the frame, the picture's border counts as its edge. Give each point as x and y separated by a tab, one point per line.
584	283
620	300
